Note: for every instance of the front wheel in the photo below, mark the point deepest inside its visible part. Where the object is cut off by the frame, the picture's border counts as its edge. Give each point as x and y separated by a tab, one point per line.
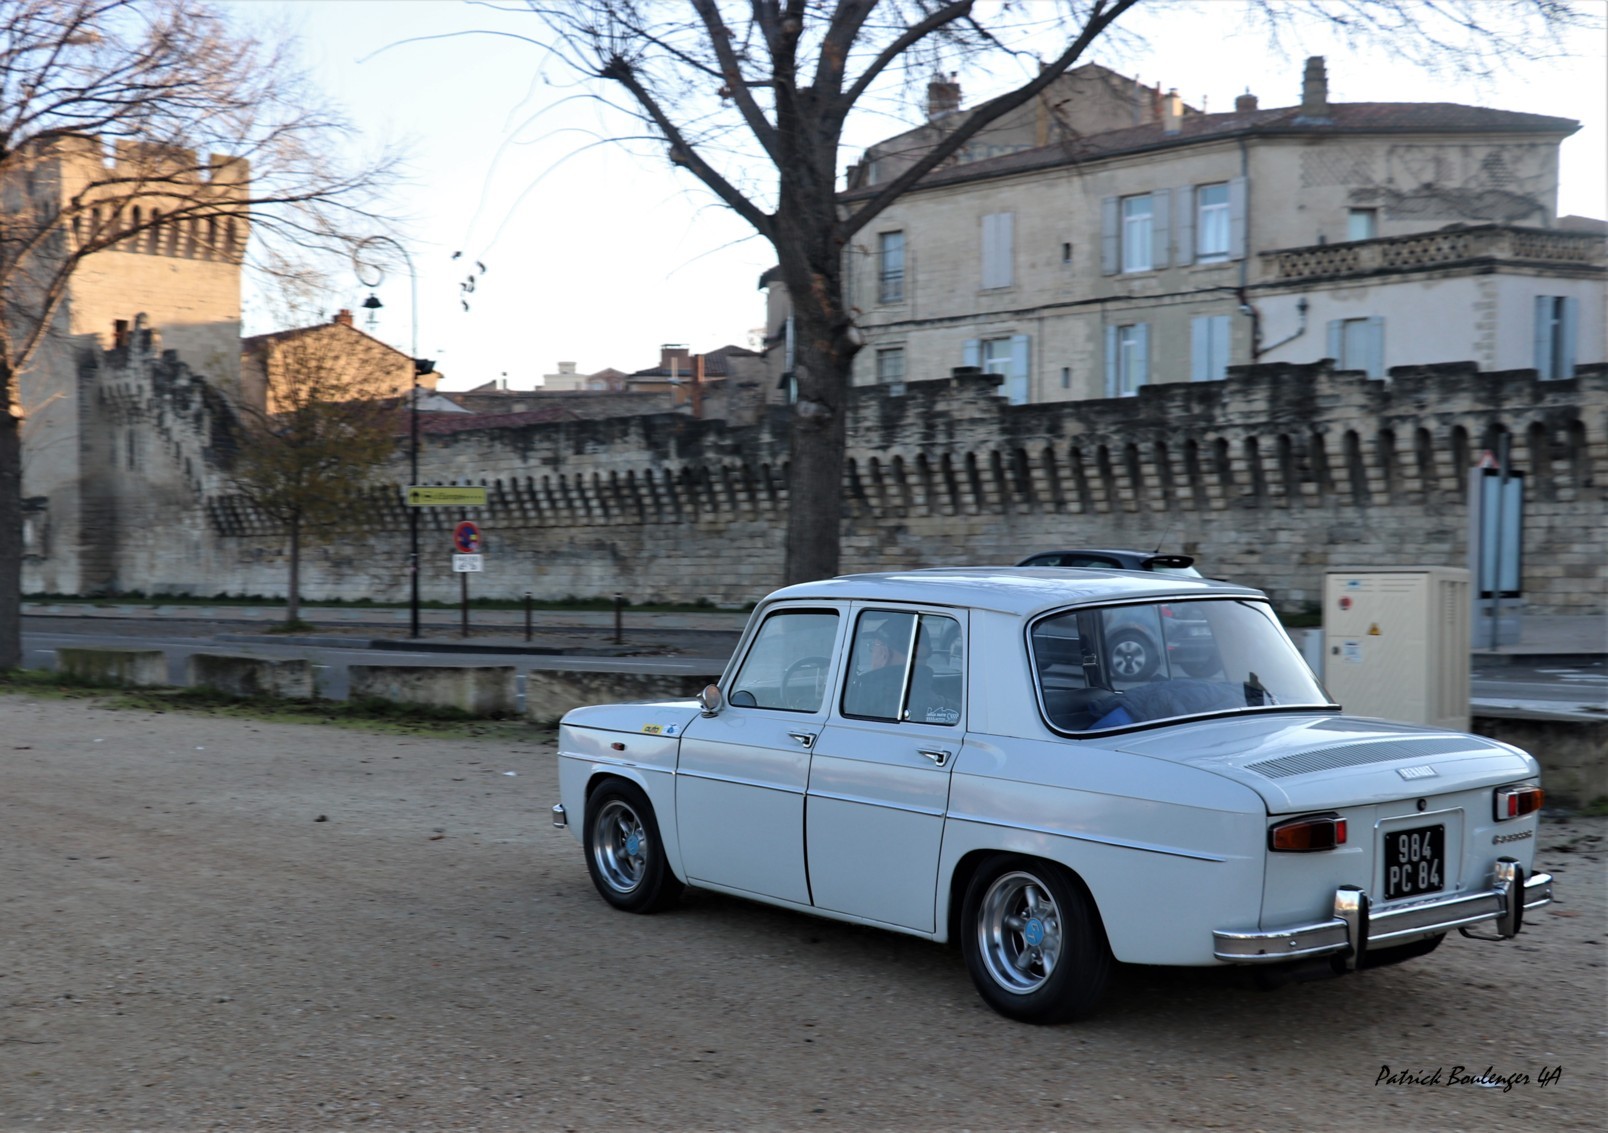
1032	941
623	852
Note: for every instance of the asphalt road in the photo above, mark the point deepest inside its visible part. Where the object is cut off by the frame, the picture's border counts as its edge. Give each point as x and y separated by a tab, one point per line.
1576	692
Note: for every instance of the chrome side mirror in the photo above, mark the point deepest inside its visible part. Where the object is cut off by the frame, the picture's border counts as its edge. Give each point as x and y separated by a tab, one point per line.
710	700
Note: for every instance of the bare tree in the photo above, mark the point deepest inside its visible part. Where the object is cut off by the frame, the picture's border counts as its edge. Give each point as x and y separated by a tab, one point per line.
326	424
753	98
217	137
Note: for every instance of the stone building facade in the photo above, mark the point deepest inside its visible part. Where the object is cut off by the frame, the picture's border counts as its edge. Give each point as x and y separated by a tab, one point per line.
1108	237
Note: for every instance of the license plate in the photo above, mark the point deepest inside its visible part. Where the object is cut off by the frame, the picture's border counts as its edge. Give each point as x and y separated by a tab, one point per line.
1415	861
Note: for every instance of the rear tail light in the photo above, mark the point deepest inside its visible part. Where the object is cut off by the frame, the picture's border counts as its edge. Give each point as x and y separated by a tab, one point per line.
1307	835
1516	802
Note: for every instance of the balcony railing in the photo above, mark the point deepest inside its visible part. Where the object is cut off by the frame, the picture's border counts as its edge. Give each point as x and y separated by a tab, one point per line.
1439	249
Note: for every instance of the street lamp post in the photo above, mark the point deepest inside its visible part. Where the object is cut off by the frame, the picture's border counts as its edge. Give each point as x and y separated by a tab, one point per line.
413	403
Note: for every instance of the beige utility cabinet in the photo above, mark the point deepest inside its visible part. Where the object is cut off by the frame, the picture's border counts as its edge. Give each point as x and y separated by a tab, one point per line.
1395	643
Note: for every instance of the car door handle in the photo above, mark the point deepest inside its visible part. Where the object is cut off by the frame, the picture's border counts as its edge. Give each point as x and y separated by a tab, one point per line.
937	755
806	740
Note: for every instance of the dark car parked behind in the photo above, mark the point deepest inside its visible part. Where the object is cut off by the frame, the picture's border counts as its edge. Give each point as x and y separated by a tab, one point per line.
1135	651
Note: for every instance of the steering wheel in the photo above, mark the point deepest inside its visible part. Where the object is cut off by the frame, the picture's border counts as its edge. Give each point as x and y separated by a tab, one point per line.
800	697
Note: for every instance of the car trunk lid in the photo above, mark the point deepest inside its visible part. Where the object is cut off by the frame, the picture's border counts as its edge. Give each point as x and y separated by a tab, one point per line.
1301	763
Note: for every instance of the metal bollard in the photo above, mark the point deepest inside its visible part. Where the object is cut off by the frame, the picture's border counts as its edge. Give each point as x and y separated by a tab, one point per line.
527	615
619	606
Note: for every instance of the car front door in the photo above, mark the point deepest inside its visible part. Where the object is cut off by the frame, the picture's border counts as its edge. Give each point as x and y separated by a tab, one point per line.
742	773
879	775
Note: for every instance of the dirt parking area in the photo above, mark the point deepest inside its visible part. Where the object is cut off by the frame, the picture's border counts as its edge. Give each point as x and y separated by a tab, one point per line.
218	925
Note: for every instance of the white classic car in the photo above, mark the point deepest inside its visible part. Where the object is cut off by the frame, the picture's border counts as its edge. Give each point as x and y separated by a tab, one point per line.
952	754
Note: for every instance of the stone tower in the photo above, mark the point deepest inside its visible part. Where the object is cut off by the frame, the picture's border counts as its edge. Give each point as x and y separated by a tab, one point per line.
171	283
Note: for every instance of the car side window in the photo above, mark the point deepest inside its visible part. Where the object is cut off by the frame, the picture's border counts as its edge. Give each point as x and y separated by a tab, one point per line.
905	666
789	663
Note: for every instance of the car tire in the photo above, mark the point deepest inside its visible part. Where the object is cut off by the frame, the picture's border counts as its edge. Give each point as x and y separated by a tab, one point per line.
623	852
1033	941
1132	656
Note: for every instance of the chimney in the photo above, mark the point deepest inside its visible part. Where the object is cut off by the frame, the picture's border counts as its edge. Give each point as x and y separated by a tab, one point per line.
1172	113
943	95
1315	89
673	357
343	317
1245	103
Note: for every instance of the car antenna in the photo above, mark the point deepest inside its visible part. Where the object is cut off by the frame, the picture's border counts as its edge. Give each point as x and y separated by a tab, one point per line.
1166	531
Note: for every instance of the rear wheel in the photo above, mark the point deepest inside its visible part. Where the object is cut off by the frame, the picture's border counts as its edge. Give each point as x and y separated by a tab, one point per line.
623	852
1033	942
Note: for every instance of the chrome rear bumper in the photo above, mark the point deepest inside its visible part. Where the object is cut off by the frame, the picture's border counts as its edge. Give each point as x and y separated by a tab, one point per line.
1356	928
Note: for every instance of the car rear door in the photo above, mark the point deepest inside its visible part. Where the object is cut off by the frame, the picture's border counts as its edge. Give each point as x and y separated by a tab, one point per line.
879	775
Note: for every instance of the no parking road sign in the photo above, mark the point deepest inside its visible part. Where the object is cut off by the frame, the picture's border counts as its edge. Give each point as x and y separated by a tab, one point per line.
466	538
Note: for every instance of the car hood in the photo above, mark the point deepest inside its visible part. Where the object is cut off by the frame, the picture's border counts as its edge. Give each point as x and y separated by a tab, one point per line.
1300	763
654	718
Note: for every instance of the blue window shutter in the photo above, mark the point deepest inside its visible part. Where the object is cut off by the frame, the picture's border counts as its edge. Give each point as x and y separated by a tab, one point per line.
1222	347
1200	366
1007	248
1570	318
1160	210
1543	336
1111	361
1184	225
1141	366
1375	364
1016	384
1238	211
1110	237
1337	329
972	353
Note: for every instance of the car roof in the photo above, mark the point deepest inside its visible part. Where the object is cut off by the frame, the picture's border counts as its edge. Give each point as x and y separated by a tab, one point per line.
1012	590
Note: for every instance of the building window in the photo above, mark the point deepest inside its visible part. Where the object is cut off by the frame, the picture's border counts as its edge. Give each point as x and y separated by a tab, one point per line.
1362	224
997	356
1127	359
1557	318
1358	344
1066	377
1208	354
998	249
1006	356
1137	236
891	267
1211	222
890	365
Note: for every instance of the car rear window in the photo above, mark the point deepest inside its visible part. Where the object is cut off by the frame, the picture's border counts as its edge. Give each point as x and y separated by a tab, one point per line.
1111	667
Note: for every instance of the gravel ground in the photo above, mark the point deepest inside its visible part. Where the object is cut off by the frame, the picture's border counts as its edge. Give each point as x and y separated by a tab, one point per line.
211	924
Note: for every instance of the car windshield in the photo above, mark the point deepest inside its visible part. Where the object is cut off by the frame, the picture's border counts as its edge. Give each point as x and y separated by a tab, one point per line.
1117	666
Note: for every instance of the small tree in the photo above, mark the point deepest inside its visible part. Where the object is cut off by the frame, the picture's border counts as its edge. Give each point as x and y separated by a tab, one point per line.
218	135
307	455
754	99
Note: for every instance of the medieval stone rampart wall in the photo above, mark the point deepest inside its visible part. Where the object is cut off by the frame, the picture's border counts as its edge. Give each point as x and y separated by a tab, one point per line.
1268	478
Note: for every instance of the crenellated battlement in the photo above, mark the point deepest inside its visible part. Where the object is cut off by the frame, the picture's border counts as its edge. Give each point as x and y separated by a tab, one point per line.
1268	477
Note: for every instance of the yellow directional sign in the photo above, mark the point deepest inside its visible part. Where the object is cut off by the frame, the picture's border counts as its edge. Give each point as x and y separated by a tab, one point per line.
446	497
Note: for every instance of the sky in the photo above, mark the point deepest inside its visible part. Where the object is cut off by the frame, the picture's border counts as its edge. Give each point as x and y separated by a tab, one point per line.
598	257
